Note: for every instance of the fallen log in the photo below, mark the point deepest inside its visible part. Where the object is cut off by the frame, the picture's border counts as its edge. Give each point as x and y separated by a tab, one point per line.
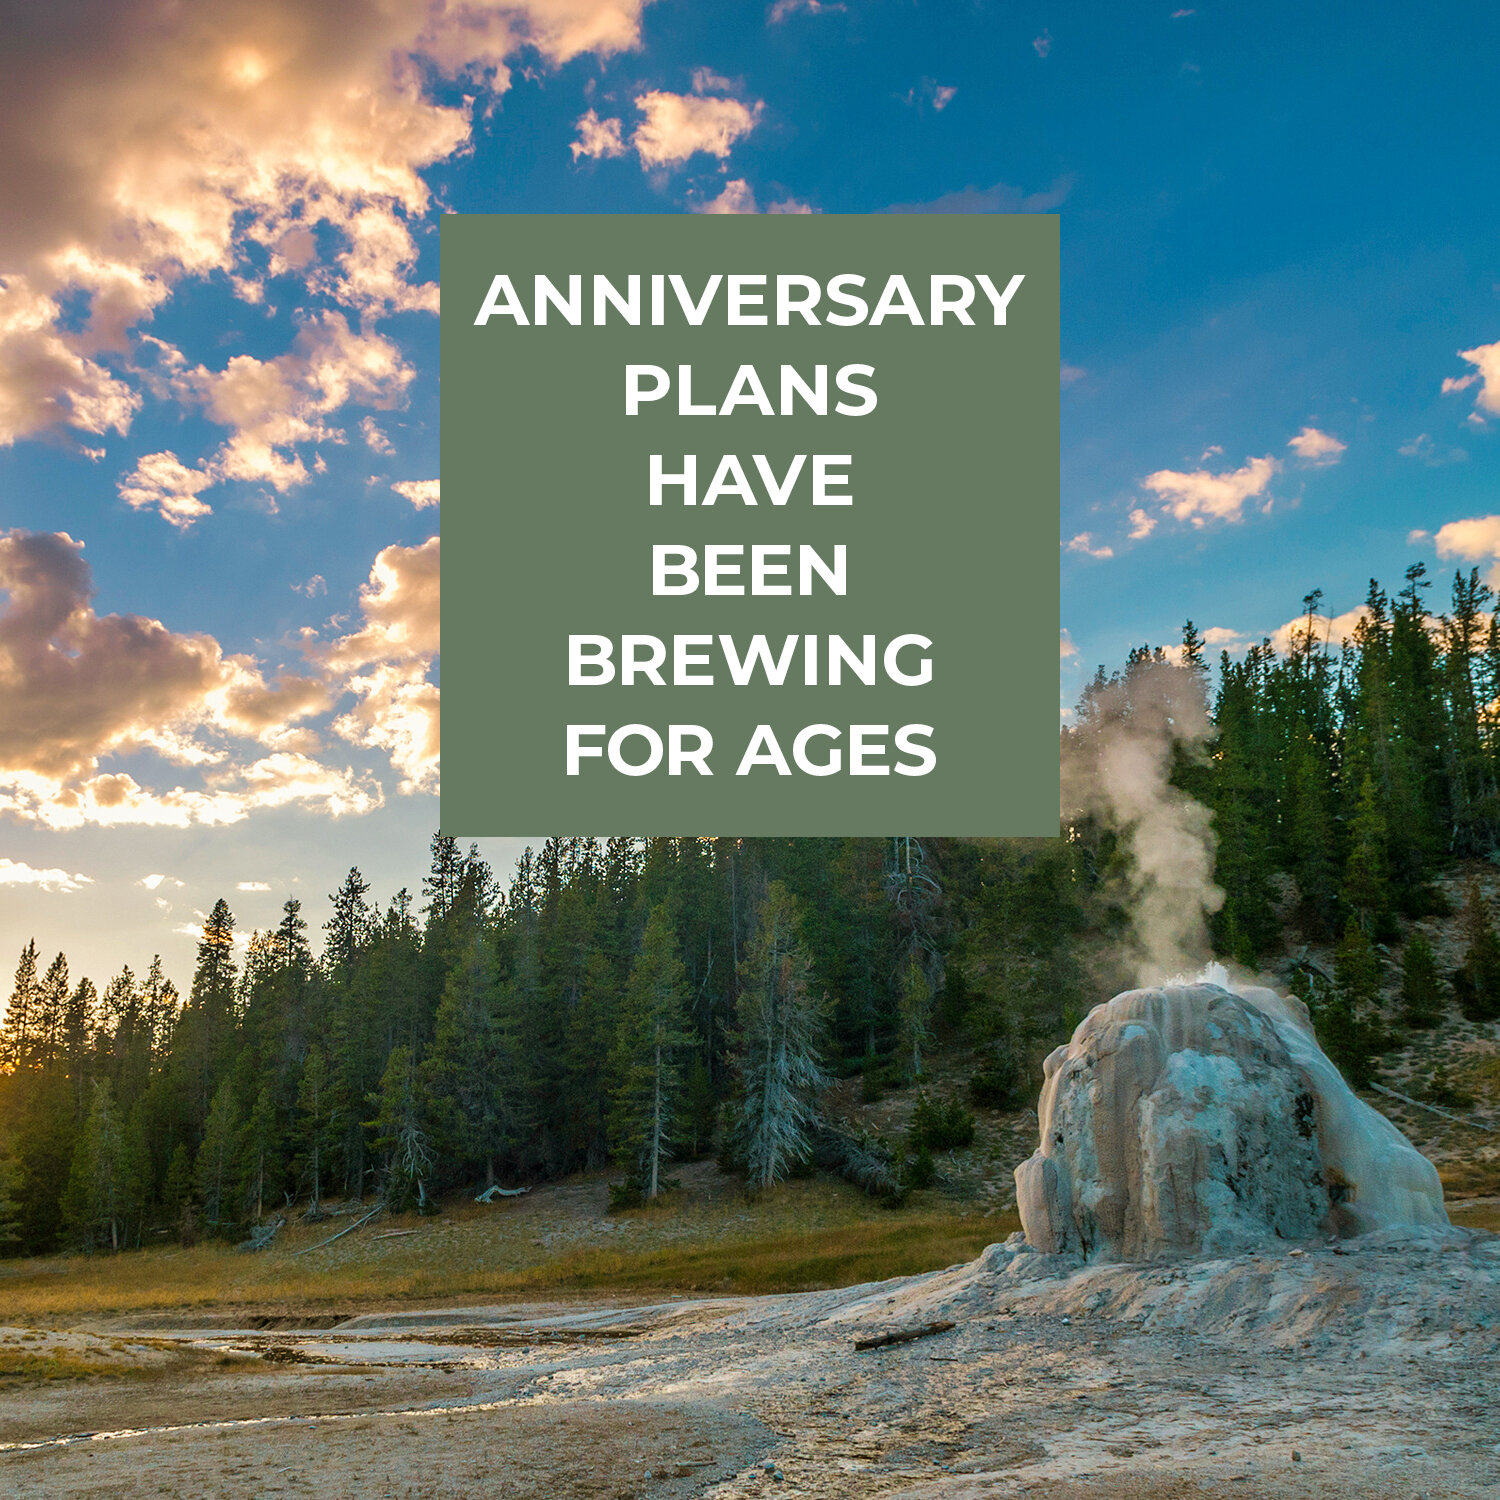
379	1208
393	1234
903	1335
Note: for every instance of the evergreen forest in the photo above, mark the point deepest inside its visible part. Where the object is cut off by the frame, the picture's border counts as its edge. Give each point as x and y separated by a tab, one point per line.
637	1002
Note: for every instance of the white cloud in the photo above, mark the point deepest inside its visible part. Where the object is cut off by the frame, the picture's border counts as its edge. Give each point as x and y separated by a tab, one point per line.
930	91
1317	448
388	662
1222	635
1065	646
597	138
235	134
78	688
1141	525
1042	44
154	882
1084	543
737	197
1486	361
679	126
999	198
375	439
1473	540
1328	631
311	587
1201	496
1070	374
18	872
163	483
784	8
421	492
1416	536
252	885
1423	448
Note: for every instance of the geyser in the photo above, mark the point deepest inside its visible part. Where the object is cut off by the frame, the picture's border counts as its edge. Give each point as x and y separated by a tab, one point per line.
1191	1119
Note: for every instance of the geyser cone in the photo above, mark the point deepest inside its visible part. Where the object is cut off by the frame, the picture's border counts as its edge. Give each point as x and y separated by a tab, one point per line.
1196	1120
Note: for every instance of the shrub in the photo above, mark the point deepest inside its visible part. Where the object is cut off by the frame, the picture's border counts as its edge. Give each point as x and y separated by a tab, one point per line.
997	1082
940	1127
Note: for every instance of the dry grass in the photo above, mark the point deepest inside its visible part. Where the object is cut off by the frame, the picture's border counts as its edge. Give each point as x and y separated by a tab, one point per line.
22	1367
804	1236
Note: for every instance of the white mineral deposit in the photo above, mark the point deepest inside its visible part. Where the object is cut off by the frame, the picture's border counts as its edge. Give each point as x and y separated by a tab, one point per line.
1198	1120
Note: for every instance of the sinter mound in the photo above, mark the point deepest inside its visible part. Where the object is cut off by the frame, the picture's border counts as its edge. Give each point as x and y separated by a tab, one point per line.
1196	1120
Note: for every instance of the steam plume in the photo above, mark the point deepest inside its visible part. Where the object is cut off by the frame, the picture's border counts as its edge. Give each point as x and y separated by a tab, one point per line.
1117	768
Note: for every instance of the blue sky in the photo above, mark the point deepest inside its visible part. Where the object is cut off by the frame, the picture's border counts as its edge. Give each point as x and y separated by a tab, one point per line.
1278	244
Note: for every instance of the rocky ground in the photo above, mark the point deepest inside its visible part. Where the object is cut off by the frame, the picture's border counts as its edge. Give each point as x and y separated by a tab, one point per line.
1360	1369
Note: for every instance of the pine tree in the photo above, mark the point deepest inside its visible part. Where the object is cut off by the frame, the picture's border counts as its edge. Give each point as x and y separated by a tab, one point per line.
915	1011
17	1039
781	1032
51	1011
1346	1026
401	1132
97	1198
177	1185
1422	990
260	1153
215	1169
590	1028
351	927
1365	885
647	1058
314	1126
1477	982
470	1074
10	1202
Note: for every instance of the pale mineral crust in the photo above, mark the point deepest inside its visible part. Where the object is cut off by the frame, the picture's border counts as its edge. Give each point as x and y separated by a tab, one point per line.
1192	1119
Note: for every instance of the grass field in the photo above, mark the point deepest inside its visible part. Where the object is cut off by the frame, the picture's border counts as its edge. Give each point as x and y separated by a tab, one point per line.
555	1242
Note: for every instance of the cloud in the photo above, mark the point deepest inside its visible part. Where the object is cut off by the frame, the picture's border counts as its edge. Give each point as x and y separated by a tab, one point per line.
163	483
1416	536
930	91
14	872
1141	525
78	688
153	882
1320	449
679	126
1084	543
148	145
388	661
1201	496
1328	631
999	199
421	492
1222	635
1042	44
1422	447
737	197
1065	646
784	8
1070	374
311	587
1486	361
1474	540
597	138
252	885
375	440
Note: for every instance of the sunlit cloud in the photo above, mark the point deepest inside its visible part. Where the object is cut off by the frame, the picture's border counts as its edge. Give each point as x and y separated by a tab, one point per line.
18	872
1320	449
1201	496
